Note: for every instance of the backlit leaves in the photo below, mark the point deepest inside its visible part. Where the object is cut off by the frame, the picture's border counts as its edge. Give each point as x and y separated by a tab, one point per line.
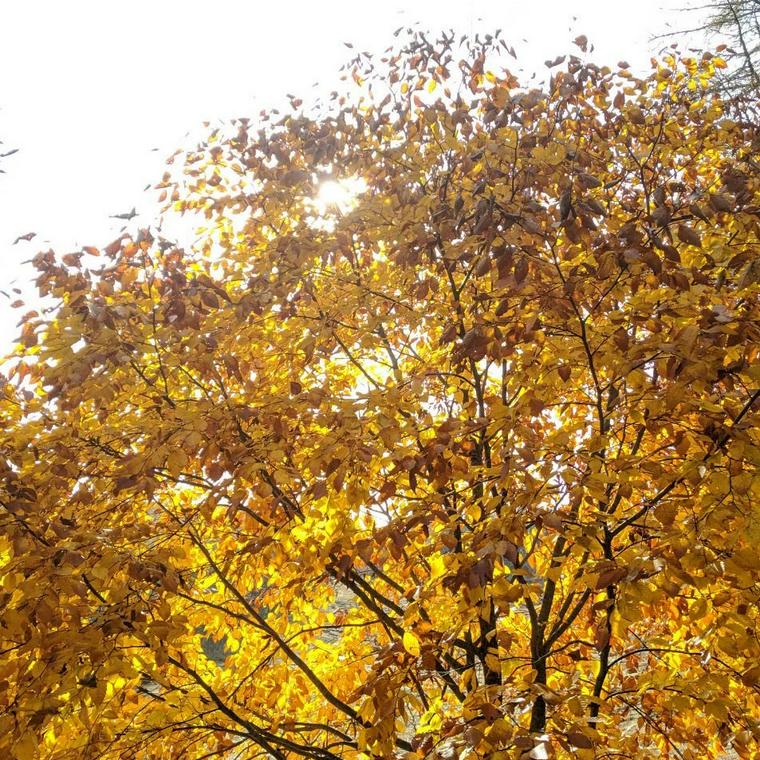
461	464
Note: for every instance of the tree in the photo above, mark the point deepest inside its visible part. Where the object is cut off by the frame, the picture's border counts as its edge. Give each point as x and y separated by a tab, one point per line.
740	20
460	463
737	21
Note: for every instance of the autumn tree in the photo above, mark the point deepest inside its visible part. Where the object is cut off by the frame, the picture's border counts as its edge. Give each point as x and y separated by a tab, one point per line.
445	433
738	23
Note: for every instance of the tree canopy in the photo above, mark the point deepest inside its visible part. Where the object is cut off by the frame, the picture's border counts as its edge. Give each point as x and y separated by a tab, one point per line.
441	441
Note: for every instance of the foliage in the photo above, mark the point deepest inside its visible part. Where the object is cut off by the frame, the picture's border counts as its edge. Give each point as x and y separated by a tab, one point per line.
738	22
462	464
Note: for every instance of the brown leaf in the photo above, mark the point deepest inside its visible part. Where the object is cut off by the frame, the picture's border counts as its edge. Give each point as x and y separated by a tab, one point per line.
588	181
521	269
294	177
594	205
209	299
502	307
610	577
582	42
660	216
72	259
699	212
483	223
722	202
688	236
483	266
114	247
473	344
28	236
577	739
449	334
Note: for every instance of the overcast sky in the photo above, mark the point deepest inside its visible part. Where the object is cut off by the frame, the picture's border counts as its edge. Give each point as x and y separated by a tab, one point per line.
89	89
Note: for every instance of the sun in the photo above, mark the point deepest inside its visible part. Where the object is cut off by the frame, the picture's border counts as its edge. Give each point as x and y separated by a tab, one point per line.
338	195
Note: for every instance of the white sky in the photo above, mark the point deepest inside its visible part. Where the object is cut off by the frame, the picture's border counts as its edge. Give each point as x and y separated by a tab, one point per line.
88	88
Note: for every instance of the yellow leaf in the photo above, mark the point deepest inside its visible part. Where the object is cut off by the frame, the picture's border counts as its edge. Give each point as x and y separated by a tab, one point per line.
437	567
411	644
176	461
25	747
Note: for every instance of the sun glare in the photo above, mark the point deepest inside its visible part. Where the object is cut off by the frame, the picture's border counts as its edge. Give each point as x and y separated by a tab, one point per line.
338	195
